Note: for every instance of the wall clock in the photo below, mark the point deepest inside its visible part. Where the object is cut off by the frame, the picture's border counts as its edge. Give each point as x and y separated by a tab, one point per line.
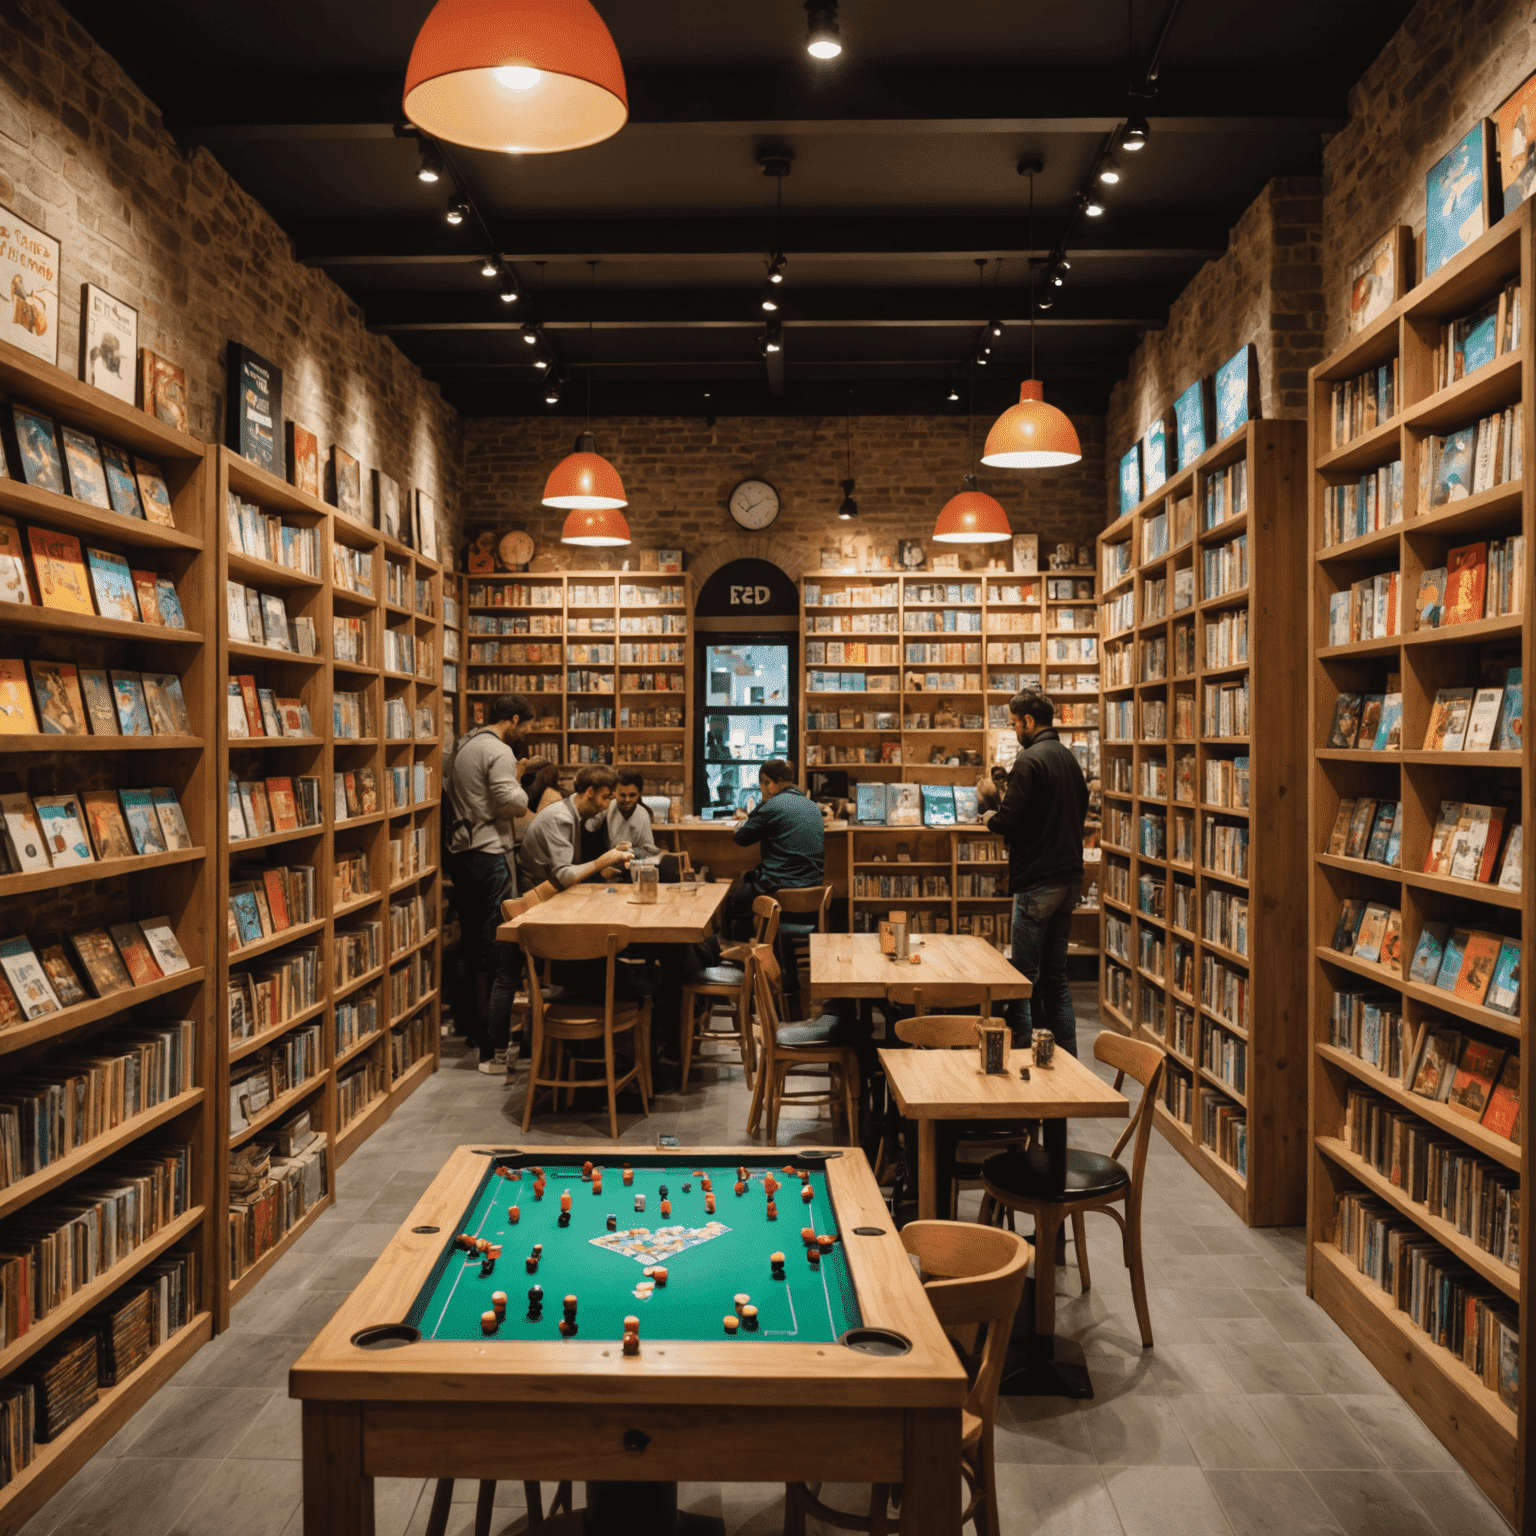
754	504
515	549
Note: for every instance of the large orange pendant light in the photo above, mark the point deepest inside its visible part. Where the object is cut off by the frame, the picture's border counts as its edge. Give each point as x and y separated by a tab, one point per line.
523	76
972	517
1031	434
586	483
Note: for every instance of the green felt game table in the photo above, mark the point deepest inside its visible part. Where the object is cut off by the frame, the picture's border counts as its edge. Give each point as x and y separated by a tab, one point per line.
709	1259
847	1377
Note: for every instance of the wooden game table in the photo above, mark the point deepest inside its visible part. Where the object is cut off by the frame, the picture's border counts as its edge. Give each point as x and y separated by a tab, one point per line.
675	917
398	1385
852	965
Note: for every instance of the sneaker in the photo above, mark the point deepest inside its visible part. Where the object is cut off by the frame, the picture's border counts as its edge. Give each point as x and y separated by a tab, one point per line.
494	1064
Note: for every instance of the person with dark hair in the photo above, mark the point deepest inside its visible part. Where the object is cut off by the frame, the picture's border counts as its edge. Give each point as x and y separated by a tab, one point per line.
1040	818
552	848
628	820
483	801
791	830
540	779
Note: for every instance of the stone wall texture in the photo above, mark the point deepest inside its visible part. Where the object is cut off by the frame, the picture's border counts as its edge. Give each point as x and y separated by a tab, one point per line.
1266	288
84	157
678	475
1450	63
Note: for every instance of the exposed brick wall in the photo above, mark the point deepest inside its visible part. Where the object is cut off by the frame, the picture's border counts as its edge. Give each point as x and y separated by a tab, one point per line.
84	157
1450	63
1267	288
678	475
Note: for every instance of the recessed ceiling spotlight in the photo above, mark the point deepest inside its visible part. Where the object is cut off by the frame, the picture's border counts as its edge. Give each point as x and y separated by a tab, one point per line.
822	39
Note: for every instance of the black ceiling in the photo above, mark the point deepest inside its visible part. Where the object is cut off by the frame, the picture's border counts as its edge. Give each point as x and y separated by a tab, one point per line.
905	155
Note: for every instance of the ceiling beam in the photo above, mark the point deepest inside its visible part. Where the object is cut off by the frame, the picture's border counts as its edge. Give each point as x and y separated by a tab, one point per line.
334	244
1142	307
861	100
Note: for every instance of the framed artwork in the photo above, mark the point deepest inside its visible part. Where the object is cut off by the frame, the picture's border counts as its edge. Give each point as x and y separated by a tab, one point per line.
1193	423
29	275
386	505
163	389
303	460
1154	457
1237	392
1378	277
426	525
109	342
346	484
1456	197
1026	553
1130	478
255	409
911	554
1515	123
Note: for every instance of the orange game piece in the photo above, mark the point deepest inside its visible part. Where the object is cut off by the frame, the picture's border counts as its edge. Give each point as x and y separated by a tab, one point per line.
732	1323
773	1211
629	1176
741	1188
706	1183
659	1275
807	1235
709	1205
565	1200
514	1214
666	1207
807	1194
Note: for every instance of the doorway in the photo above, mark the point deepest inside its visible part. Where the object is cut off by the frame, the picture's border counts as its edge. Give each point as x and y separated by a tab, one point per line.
745	714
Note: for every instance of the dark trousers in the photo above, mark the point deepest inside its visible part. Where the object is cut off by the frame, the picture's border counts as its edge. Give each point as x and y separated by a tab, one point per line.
1042	927
485	981
745	889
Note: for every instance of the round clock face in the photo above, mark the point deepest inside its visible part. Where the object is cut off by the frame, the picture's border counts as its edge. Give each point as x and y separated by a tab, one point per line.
754	504
515	549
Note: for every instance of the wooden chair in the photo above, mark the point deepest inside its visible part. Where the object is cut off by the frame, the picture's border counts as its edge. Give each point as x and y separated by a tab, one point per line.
974	1283
1019	1181
442	1505
808	1047
731	982
559	1018
795	936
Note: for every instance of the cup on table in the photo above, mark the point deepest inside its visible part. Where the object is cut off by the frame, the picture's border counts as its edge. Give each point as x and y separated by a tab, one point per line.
688	882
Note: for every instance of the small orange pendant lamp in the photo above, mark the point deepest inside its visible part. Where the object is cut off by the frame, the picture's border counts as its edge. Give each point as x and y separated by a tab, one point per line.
972	517
586	483
1031	434
520	76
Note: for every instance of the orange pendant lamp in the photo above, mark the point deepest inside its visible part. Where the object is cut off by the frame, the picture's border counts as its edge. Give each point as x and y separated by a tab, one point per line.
586	483
1031	434
521	76
972	517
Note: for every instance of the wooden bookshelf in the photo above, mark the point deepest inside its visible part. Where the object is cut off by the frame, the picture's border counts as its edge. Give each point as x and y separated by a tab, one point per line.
928	868
1489	1438
1170	805
178	884
381	749
582	615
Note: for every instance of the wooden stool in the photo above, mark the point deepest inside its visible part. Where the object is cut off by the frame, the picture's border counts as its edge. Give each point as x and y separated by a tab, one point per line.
971	1280
732	982
442	1505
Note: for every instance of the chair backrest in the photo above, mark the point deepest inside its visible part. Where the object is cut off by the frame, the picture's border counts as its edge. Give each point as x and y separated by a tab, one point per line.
1143	1061
955	996
807	898
941	1031
767	998
571	941
973	1275
765	920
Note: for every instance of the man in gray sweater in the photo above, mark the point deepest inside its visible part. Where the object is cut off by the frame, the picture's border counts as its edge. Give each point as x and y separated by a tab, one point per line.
484	797
568	841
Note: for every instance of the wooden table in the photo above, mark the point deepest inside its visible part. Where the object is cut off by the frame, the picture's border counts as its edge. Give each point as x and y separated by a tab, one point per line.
673	918
930	1086
742	1408
851	965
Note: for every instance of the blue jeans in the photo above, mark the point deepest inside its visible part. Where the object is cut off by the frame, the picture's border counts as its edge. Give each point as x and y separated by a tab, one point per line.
1042	925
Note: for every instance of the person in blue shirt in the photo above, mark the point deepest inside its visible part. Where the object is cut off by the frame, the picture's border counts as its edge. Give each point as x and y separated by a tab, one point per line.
788	827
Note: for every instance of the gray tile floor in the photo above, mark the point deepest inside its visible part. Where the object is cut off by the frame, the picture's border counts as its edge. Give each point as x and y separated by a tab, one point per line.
1251	1416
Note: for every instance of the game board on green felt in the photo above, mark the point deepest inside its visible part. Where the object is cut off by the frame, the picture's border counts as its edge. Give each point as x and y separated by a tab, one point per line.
709	1259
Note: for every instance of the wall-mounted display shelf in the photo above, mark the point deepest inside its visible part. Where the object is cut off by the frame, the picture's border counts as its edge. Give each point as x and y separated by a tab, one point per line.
1203	737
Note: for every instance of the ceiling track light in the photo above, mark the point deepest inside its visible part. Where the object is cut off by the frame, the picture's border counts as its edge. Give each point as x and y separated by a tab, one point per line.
457	212
770	301
490	267
508	291
994	328
530	333
1137	131
1109	172
954	391
1045	300
773	335
1090	205
823	40
776	268
552	388
431	168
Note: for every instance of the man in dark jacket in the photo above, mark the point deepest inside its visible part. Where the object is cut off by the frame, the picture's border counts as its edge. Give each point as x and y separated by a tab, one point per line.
791	830
1041	821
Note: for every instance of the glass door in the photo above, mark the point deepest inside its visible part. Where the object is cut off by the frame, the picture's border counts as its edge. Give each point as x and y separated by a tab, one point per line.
745	715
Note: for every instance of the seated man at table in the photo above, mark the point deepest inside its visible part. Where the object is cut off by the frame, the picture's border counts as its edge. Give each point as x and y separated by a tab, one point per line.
1041	820
789	827
628	820
566	842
